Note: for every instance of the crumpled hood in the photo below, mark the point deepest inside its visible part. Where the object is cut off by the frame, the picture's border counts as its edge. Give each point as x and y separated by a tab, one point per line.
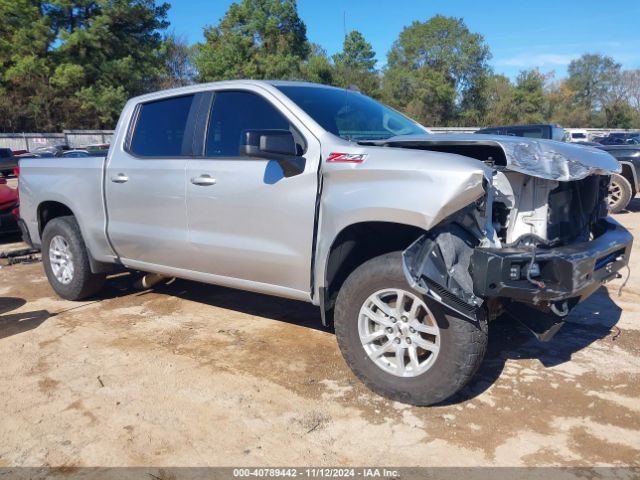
536	157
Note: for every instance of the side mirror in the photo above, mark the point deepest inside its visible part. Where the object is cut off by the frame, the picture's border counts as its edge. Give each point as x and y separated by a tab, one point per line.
278	145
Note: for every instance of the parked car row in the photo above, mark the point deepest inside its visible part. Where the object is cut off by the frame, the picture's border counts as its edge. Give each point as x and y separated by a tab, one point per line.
619	138
9	197
9	158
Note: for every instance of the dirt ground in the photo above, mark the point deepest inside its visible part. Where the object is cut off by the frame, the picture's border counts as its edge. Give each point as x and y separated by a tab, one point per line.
194	375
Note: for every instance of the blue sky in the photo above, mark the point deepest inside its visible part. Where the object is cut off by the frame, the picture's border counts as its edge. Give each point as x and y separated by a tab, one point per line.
521	34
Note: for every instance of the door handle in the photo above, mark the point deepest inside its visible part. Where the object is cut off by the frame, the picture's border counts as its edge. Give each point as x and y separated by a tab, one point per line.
119	178
203	180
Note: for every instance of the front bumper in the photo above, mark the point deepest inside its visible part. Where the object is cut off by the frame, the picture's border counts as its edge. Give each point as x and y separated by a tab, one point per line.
569	272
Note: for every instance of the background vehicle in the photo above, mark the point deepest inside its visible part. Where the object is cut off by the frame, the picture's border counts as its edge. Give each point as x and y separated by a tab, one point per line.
76	154
8	208
577	136
548	131
625	185
324	195
621	138
51	151
98	149
7	161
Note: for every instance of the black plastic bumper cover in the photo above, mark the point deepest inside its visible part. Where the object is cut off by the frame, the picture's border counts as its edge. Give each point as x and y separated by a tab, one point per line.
571	271
8	223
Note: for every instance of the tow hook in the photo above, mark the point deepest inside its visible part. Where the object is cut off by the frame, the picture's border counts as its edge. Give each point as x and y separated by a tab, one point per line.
563	311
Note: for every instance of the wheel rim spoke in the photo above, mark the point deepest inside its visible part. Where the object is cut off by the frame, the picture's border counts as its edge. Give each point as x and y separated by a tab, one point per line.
374	336
387	347
376	317
422	328
400	303
413	358
400	365
415	306
425	345
383	307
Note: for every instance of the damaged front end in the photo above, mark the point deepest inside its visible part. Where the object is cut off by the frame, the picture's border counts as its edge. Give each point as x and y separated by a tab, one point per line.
538	243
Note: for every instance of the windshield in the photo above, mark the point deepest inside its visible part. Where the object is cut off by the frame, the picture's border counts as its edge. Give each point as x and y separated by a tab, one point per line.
350	115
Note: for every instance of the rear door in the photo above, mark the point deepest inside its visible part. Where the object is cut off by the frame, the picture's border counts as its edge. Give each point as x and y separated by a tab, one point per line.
246	220
145	184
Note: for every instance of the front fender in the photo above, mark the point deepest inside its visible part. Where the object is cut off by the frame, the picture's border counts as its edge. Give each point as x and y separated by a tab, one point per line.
410	187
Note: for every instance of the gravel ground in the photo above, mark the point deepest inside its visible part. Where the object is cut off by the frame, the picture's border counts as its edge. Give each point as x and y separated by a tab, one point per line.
195	375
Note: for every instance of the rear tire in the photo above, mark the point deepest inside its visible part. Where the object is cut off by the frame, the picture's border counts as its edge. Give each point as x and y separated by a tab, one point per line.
66	260
620	193
460	344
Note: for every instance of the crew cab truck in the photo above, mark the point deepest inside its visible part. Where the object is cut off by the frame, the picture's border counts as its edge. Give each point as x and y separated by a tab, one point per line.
409	243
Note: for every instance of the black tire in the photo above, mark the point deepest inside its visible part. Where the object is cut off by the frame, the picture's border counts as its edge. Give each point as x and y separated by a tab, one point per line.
462	342
83	283
620	193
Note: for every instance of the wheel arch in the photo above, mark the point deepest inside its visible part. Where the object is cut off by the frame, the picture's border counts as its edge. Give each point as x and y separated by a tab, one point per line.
629	172
355	244
51	209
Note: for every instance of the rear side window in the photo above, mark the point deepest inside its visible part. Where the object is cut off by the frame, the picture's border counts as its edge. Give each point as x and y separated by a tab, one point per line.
160	128
489	131
234	112
5	153
529	132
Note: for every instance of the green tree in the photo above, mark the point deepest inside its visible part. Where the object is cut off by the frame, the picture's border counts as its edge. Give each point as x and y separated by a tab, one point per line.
25	40
591	76
317	67
562	107
439	68
529	97
355	65
73	64
255	39
500	94
177	65
356	53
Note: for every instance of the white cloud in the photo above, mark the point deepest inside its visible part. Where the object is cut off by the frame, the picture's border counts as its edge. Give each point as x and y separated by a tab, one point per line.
537	60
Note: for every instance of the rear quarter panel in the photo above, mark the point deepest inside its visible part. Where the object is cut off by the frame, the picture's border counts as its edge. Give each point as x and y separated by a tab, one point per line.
74	182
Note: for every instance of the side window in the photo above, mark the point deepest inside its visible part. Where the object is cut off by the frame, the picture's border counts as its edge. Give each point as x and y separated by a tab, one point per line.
160	127
233	112
529	132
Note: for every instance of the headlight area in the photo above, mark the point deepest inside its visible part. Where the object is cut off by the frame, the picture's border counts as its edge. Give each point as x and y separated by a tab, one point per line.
531	280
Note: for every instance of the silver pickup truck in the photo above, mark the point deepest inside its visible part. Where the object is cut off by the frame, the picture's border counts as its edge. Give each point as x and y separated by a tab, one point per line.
410	243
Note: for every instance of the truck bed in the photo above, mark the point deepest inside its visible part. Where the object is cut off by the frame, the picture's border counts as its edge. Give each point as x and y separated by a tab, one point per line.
77	183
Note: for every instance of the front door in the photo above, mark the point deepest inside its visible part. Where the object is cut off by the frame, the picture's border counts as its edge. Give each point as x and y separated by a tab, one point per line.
246	220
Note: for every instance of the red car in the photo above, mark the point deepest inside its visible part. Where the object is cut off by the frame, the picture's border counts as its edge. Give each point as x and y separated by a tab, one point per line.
9	203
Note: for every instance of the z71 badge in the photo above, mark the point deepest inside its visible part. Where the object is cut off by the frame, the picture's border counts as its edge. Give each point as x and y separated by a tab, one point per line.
347	157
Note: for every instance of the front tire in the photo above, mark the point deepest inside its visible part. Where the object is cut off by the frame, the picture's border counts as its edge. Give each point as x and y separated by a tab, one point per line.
400	343
66	260
620	193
